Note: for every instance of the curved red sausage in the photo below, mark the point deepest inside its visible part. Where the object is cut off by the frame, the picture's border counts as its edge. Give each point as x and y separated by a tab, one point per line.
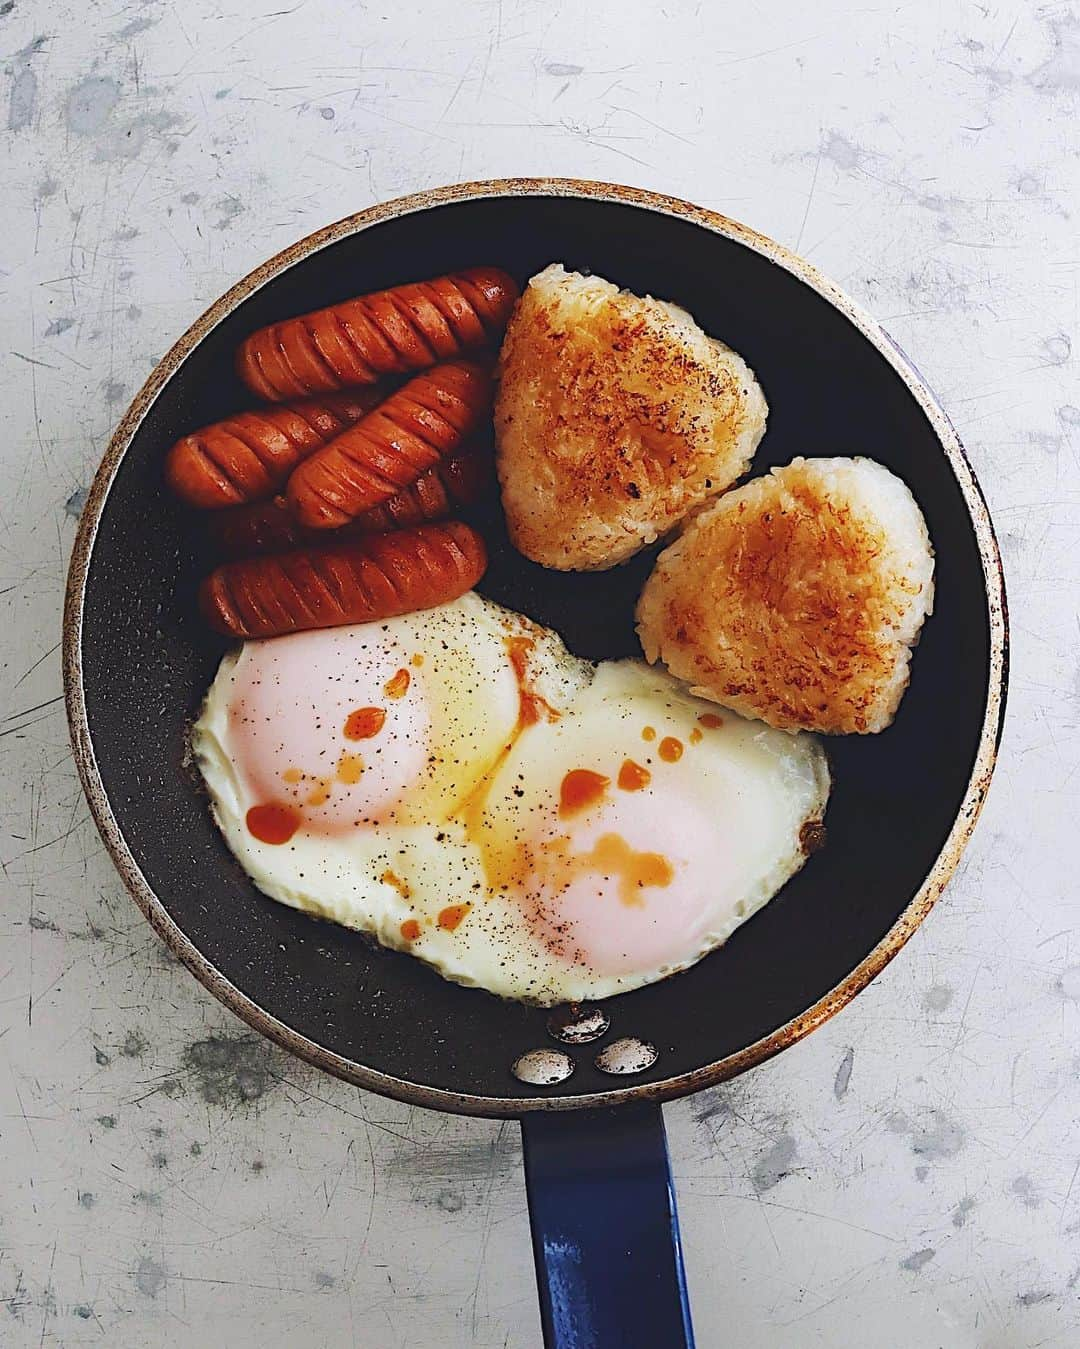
361	582
388	332
270	527
390	448
249	455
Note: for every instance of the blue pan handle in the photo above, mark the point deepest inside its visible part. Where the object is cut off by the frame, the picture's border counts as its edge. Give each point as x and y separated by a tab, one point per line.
605	1231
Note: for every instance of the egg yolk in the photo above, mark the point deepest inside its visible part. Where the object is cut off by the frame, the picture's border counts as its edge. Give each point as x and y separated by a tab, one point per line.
299	708
625	887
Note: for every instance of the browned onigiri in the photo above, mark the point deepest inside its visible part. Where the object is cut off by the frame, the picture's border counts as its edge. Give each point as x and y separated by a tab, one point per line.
616	416
797	597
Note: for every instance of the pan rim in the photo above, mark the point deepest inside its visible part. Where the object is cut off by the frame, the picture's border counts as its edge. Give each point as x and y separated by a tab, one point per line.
667	1088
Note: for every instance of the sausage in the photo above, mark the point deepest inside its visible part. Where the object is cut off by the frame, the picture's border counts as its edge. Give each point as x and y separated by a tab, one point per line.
458	480
269	526
259	527
249	455
359	582
389	332
390	448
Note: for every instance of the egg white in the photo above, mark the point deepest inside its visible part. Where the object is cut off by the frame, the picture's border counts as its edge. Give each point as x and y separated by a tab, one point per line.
488	775
752	789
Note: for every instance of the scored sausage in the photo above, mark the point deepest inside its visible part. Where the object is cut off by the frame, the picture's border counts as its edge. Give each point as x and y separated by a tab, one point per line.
370	462
270	526
460	479
249	456
259	527
389	332
360	582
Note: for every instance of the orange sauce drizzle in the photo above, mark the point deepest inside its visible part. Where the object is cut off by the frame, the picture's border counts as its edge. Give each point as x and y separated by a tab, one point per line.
697	735
292	776
648	733
613	858
632	777
273	822
320	794
580	788
417	660
710	720
397	685
410	929
364	722
402	887
531	707
518	649
451	917
671	750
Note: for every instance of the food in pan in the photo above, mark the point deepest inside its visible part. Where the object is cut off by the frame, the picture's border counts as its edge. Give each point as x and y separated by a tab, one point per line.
458	785
387	450
249	455
390	332
360	581
393	752
616	415
797	597
459	480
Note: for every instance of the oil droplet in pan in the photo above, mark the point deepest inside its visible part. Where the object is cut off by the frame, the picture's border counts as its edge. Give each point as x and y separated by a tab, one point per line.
577	1025
628	1055
543	1067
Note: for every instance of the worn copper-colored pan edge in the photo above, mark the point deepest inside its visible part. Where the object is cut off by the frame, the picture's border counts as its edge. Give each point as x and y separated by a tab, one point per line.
668	1088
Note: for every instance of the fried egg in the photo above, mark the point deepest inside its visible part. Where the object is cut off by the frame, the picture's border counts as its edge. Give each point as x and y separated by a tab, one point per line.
458	785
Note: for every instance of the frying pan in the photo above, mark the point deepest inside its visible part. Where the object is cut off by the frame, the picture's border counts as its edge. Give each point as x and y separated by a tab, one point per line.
137	662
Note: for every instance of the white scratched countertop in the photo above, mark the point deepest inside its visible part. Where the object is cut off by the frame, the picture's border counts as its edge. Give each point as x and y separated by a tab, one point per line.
910	1175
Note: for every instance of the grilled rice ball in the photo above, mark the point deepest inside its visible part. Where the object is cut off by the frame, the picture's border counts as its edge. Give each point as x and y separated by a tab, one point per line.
615	416
797	597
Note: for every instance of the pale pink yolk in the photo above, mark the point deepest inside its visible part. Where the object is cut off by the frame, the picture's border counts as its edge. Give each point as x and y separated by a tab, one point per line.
291	739
624	888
